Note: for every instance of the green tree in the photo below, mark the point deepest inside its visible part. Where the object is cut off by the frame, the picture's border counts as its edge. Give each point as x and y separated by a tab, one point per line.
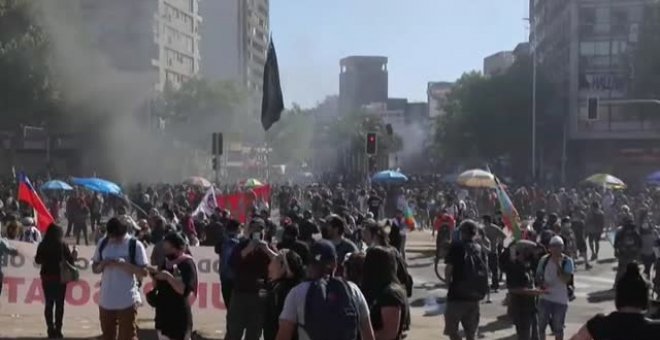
488	118
27	94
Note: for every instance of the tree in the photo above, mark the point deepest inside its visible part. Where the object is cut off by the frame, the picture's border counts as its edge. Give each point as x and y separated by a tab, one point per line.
489	118
28	93
200	107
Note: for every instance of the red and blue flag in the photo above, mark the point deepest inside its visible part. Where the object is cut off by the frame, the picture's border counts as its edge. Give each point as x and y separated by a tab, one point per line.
29	196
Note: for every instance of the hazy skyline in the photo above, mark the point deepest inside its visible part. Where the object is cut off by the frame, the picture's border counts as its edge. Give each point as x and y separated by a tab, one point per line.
425	40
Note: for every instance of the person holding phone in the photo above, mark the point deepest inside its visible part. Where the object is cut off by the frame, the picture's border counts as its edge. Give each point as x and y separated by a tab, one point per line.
249	262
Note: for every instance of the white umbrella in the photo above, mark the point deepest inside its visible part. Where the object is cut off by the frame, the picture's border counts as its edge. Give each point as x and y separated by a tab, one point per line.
476	178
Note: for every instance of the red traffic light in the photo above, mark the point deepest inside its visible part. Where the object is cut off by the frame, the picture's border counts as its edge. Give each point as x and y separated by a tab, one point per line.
371	143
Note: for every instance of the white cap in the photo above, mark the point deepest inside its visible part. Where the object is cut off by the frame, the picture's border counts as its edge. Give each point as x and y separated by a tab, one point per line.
556	241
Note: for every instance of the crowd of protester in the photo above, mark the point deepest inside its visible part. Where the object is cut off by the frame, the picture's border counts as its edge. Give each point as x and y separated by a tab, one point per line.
349	242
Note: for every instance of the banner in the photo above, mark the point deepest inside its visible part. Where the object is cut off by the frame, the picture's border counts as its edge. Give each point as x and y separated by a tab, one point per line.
22	292
239	203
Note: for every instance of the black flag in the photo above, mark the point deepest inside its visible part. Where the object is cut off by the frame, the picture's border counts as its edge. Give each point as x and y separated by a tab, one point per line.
272	103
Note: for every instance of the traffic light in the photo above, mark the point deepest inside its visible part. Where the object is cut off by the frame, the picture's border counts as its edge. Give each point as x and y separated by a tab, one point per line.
372	143
592	106
217	143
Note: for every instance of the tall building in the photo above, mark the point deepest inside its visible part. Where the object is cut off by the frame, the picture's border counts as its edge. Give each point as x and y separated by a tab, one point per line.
498	63
586	49
148	35
363	80
436	93
235	41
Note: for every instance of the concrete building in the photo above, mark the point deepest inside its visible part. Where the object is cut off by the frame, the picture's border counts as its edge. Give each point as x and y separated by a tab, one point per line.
436	94
498	63
235	41
586	49
148	35
363	80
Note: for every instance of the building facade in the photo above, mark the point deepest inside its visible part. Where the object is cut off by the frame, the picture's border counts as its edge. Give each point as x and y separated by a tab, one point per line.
498	63
235	41
363	80
159	36
436	94
586	49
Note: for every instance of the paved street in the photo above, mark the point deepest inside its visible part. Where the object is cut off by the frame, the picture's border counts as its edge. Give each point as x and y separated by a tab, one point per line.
592	290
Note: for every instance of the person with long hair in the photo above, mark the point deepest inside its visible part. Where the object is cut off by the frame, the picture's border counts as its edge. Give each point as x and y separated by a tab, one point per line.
285	271
628	321
385	296
50	253
175	281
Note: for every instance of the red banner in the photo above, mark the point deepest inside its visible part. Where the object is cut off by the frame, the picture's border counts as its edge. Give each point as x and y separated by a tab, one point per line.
240	203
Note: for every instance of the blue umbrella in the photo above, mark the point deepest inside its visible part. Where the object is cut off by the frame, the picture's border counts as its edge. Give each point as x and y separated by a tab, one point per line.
653	178
56	185
98	185
389	176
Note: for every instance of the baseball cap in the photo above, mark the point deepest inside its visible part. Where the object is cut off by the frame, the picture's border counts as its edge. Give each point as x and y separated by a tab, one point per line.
323	252
556	241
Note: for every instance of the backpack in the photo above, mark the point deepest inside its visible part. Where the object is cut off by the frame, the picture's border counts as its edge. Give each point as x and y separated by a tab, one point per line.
330	313
473	283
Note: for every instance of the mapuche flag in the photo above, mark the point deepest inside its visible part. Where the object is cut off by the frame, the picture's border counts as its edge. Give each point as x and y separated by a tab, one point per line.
29	196
510	215
272	102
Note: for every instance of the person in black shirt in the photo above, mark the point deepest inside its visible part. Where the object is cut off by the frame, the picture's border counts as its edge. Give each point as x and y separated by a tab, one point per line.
388	305
175	280
290	241
374	202
628	322
308	228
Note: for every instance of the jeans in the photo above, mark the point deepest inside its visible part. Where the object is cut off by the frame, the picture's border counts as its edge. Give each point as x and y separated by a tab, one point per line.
522	311
121	322
54	293
555	311
493	266
80	228
467	314
245	316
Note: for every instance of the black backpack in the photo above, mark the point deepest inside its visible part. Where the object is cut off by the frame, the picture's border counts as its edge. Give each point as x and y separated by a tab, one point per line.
330	312
472	284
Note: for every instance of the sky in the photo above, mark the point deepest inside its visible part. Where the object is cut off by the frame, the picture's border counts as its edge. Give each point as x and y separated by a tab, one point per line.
425	40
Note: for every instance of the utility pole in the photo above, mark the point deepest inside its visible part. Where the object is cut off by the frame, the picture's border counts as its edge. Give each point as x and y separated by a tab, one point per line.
217	151
533	46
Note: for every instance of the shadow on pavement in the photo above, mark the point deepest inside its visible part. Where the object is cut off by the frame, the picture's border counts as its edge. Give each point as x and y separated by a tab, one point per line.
601	296
502	322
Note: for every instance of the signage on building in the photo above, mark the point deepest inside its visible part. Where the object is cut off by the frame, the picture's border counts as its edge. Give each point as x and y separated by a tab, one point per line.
602	82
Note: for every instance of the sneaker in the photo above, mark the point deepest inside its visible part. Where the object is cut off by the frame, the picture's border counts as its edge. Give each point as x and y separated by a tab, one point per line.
588	266
594	257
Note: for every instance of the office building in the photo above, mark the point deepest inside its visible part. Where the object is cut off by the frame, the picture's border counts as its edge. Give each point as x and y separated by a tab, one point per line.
436	93
159	36
235	41
498	63
586	48
363	80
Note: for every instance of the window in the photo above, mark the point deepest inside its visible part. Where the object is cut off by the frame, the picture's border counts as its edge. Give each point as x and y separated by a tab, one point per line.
602	15
602	48
587	48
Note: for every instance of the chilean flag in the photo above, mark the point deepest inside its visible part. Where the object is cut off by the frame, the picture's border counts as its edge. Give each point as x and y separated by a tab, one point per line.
28	195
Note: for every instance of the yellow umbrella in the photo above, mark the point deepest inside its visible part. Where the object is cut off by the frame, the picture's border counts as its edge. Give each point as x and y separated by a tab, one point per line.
606	180
476	178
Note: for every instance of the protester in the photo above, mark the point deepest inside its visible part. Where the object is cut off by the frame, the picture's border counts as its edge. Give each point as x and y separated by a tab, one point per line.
285	271
290	241
554	273
30	233
122	261
627	244
518	264
175	281
50	254
5	249
595	224
496	237
224	249
628	321
466	273
650	239
334	232
308	313
249	262
385	296
354	268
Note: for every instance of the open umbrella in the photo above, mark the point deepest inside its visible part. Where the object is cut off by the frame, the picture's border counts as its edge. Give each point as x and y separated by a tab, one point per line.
252	183
605	180
476	178
98	185
389	176
56	185
653	178
197	181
